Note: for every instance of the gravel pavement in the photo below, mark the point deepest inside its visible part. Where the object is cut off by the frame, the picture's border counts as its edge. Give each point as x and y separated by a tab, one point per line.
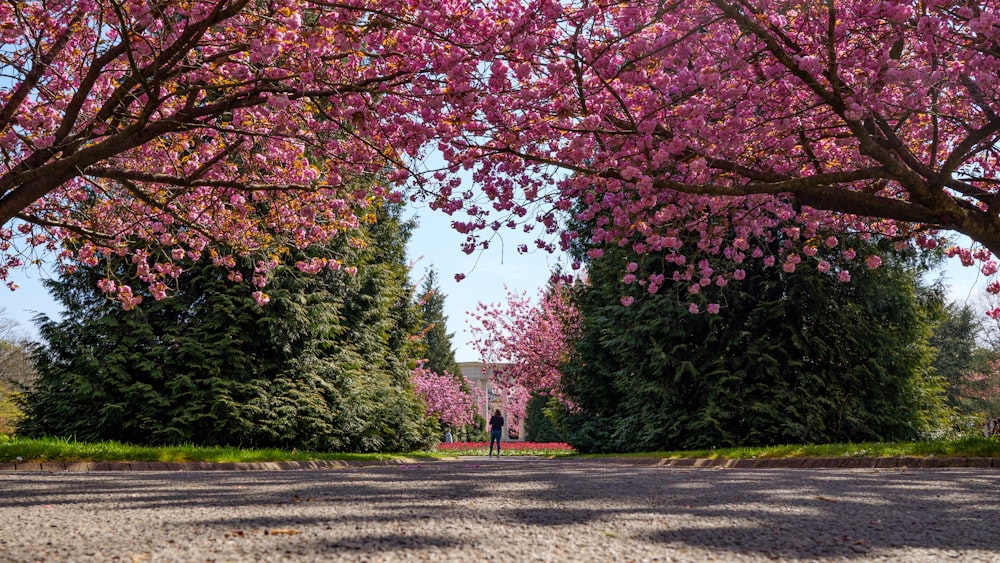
502	510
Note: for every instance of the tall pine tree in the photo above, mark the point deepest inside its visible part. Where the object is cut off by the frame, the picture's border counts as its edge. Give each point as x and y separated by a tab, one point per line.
437	341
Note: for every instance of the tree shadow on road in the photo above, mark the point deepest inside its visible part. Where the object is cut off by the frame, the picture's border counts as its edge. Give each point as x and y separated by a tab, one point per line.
785	513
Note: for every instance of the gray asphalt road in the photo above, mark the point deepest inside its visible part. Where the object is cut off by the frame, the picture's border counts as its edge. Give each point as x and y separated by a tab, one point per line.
502	510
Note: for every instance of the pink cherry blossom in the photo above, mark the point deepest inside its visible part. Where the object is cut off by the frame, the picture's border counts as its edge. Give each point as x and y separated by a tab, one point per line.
526	344
727	122
453	400
702	130
218	126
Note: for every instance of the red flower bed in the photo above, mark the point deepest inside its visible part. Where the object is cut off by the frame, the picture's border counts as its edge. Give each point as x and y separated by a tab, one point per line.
507	448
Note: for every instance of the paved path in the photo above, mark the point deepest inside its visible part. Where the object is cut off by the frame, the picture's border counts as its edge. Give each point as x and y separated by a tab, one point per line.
502	510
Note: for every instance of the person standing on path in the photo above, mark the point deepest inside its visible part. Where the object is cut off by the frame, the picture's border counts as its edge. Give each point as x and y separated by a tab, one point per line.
496	431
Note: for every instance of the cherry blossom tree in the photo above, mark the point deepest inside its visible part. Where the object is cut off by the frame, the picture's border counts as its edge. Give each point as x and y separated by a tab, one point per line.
451	399
525	344
213	126
668	122
231	126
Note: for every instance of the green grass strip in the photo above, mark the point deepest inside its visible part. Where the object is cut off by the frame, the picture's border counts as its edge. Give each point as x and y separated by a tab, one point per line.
68	450
969	446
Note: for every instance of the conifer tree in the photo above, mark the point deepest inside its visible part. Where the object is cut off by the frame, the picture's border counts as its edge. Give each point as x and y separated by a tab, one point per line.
783	357
439	351
322	366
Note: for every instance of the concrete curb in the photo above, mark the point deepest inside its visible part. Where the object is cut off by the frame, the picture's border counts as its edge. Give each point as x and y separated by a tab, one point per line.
820	462
78	466
694	463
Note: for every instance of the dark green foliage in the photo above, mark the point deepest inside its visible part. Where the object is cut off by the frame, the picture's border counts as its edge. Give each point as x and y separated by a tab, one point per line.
954	340
539	426
437	343
791	358
475	432
324	366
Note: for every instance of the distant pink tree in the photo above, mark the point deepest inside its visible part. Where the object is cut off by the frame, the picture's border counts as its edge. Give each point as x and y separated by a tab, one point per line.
526	344
983	384
451	399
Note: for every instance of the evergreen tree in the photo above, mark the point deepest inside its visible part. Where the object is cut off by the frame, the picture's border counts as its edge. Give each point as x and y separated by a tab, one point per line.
539	426
323	366
789	358
437	341
954	341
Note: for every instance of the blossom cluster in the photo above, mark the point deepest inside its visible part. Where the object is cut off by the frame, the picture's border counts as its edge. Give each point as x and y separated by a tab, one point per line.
452	399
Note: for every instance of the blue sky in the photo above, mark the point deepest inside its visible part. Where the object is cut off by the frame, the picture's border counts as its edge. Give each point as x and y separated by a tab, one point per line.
435	244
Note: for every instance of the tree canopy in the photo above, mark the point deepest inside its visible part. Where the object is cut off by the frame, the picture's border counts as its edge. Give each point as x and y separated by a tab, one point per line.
218	127
716	121
228	126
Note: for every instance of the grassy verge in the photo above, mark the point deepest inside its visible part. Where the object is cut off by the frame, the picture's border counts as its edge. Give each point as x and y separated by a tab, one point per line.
57	449
52	449
969	446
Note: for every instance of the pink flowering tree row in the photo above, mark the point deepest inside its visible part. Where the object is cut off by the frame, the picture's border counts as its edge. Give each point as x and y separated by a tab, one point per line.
451	399
233	127
525	344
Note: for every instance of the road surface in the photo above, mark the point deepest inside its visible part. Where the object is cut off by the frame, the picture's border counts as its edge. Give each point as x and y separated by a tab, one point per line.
502	510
